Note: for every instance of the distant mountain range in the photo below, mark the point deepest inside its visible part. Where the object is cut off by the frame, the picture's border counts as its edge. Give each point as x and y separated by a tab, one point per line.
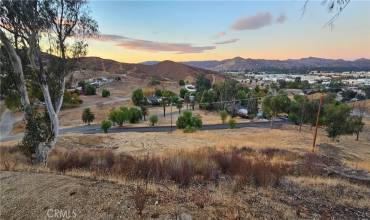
170	70
310	63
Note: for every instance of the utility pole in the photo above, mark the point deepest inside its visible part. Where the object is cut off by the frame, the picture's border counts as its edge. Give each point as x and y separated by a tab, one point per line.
302	112
171	115
317	125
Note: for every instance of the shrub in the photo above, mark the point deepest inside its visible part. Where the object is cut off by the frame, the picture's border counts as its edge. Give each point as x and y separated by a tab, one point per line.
105	93
89	90
87	116
180	170
105	125
140	198
154	82
188	121
153	119
223	116
71	99
232	123
11	158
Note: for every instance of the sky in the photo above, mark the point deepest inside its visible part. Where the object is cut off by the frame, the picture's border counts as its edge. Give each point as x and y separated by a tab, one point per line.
137	31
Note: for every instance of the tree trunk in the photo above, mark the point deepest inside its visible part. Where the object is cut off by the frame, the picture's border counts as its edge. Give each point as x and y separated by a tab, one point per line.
34	53
59	101
43	149
357	135
20	80
18	70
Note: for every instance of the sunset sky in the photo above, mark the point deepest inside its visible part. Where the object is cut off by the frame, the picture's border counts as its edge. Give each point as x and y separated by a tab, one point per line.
214	30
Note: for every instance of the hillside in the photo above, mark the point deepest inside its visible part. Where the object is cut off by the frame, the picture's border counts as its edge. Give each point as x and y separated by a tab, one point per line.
161	70
310	63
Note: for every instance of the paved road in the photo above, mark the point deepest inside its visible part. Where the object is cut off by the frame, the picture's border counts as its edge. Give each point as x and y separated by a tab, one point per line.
94	129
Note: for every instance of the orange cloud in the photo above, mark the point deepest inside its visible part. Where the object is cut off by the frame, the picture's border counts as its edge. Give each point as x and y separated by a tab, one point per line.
153	46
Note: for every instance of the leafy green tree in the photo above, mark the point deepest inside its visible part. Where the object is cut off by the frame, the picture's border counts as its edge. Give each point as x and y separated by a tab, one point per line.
153	119
137	97
297	110
187	120
273	105
87	116
105	93
134	115
223	116
202	83
232	123
355	125
183	92
181	82
89	90
336	119
106	125
242	96
168	93
119	115
207	99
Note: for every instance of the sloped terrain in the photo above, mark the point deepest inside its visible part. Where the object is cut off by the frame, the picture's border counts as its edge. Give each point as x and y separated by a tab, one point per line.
37	195
163	70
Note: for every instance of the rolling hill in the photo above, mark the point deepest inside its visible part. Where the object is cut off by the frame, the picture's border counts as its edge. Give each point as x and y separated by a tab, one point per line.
161	70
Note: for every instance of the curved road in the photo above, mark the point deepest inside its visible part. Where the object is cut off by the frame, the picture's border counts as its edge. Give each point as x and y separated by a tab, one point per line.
94	129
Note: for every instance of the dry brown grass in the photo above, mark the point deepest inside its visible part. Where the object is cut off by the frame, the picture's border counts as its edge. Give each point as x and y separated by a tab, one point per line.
183	168
12	159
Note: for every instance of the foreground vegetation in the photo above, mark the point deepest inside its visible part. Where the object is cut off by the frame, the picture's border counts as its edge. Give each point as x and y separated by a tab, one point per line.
230	184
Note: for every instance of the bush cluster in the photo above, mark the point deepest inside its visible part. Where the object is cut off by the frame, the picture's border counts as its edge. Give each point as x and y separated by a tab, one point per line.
71	99
105	93
188	122
183	168
124	114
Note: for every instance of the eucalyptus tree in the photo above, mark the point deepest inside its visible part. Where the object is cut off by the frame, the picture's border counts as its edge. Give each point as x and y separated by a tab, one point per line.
52	32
